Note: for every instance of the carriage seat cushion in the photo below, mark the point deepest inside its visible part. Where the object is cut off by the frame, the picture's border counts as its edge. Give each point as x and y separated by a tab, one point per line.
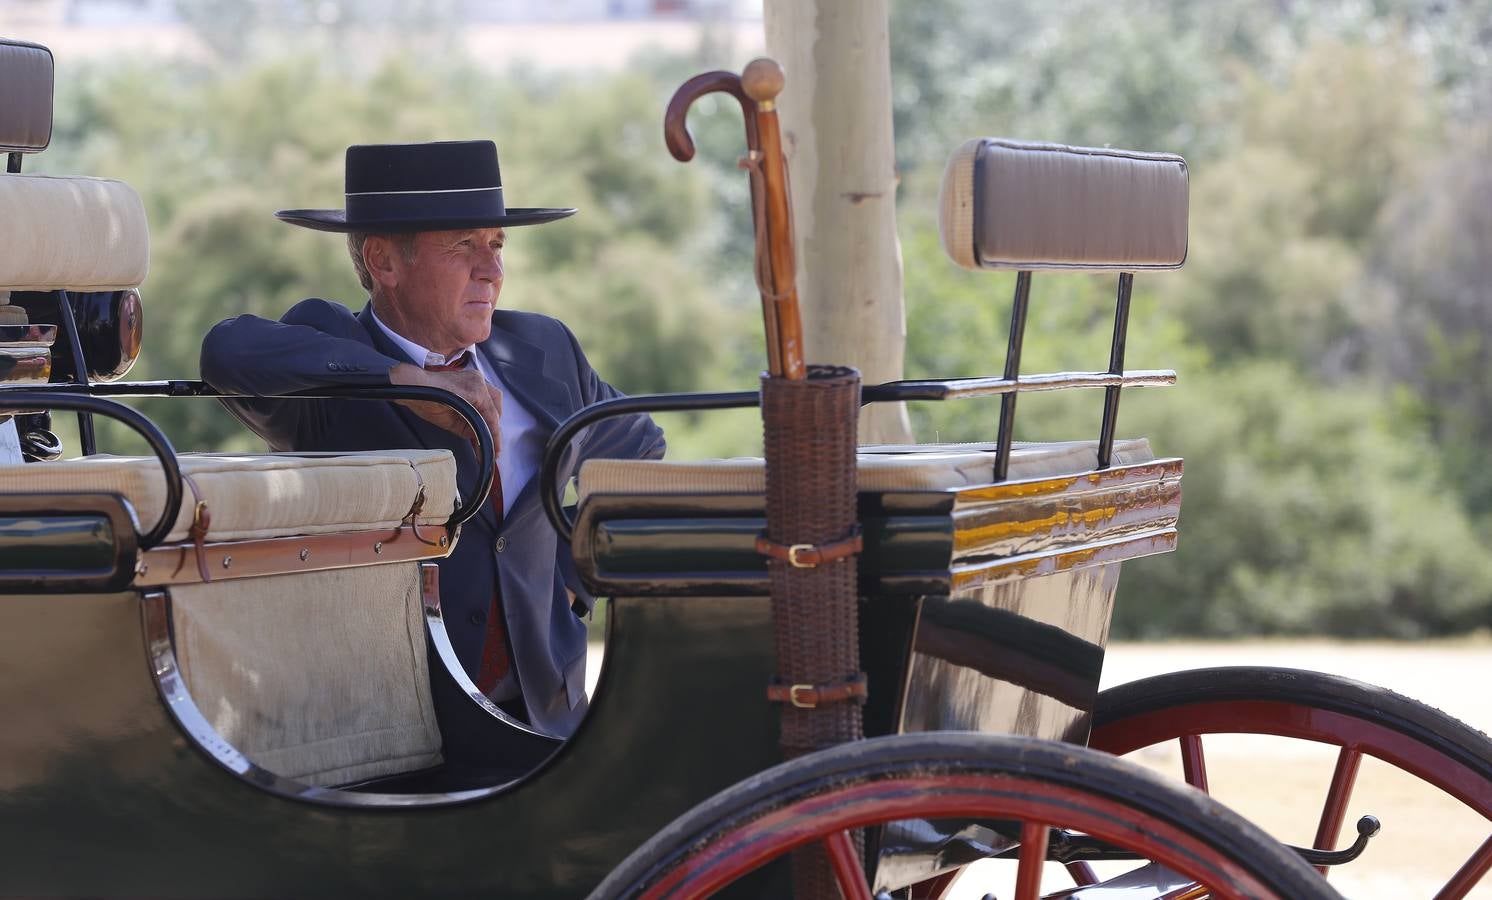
1014	205
254	496
75	234
911	467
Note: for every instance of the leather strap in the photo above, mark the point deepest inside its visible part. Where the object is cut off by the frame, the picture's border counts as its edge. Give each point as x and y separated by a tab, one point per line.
810	696
412	518
197	533
808	556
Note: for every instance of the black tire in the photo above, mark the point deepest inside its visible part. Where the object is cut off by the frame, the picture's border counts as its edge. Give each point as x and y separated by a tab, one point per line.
1425	724
1428	744
1035	765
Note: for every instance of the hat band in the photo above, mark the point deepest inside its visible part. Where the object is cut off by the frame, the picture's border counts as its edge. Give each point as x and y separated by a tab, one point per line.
467	203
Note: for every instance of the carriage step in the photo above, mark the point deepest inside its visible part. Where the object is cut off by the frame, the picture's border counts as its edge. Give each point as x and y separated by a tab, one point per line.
1070	847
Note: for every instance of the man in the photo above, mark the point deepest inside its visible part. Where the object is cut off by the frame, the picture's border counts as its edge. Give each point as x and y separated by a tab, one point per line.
426	226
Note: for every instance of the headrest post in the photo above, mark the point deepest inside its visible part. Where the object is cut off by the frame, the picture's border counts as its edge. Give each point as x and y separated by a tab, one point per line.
1116	367
86	440
13	164
1012	373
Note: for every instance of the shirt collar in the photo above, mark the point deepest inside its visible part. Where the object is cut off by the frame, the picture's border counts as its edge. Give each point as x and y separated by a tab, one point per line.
419	354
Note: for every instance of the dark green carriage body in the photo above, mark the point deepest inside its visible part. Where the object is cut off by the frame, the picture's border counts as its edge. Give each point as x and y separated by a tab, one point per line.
111	784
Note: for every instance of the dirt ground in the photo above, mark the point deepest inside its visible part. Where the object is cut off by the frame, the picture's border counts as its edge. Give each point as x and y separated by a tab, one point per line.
1280	784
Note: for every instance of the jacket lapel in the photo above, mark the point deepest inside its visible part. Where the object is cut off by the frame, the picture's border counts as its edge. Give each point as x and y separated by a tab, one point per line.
429	436
520	365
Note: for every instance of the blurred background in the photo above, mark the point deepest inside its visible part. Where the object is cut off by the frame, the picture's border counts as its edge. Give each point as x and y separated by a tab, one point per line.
1331	328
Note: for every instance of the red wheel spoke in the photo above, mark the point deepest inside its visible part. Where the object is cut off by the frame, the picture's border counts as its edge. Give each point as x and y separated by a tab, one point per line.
1193	765
1033	860
1082	874
1469	874
1334	812
847	869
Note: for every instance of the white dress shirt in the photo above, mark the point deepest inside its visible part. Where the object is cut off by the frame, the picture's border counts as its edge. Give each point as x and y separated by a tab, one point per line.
521	444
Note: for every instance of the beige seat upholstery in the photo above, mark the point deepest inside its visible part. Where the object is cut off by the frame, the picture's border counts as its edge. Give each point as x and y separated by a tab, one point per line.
1015	205
76	234
882	468
259	496
320	677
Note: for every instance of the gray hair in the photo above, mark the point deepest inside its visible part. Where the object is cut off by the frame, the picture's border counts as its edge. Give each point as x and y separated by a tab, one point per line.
403	241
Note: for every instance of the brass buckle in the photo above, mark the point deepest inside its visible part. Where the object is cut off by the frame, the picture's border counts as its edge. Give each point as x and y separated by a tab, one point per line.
792	557
795	690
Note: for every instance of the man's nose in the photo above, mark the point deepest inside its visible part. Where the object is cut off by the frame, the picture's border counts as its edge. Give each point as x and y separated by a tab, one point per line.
489	268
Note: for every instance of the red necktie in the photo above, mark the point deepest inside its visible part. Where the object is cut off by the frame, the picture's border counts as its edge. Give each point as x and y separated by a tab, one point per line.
496	659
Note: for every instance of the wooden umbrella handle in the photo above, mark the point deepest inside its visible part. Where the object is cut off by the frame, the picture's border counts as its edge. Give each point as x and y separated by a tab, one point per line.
762	80
756	90
676	129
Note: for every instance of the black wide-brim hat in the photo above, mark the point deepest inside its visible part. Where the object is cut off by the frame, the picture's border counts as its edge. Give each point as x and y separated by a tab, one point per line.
439	186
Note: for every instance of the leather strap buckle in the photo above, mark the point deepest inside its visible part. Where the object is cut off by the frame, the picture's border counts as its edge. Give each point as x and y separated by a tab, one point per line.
809	556
811	696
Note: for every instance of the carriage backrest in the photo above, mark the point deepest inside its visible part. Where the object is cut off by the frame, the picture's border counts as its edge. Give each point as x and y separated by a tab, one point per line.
26	102
59	233
1019	205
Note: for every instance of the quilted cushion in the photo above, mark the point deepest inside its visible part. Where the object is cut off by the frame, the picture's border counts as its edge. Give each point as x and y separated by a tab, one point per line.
254	496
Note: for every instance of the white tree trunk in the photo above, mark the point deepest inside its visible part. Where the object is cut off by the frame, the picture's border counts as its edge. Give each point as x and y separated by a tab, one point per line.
836	125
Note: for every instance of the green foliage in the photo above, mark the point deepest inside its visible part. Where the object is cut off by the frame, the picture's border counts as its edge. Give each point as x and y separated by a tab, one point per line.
1306	509
215	151
1330	327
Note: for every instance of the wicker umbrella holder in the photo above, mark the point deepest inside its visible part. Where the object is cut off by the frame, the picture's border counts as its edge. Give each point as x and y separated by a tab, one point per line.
812	543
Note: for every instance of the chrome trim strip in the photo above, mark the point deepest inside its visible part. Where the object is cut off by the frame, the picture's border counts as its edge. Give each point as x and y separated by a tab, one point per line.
32	336
1050	562
436	627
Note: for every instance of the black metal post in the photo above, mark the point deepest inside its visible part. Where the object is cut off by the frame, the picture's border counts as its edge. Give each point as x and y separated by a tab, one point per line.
1116	367
1012	373
13	163
80	372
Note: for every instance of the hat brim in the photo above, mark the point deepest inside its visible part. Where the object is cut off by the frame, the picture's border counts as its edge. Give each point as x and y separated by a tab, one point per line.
336	220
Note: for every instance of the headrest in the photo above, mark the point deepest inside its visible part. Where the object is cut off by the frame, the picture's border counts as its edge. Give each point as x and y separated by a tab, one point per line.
25	96
75	234
1012	205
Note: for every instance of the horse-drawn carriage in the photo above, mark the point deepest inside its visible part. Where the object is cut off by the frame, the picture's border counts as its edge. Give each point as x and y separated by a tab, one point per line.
215	672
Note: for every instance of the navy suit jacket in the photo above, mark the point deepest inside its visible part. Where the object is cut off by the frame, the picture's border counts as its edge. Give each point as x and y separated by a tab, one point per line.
322	344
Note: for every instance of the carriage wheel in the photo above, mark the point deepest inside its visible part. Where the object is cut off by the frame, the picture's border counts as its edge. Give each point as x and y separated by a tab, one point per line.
823	797
1358	719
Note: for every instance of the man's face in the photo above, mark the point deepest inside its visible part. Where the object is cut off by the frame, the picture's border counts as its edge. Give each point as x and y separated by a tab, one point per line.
449	287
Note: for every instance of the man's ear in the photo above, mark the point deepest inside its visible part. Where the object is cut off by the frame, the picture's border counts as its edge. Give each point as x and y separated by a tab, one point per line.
379	259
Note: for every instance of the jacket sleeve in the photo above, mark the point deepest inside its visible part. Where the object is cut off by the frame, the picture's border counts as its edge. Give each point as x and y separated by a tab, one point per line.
313	345
624	437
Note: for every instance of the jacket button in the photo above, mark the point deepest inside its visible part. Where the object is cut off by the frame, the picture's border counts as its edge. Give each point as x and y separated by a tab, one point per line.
500	544
478	618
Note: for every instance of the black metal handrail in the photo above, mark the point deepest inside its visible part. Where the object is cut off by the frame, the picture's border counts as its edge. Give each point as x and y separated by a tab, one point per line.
49	395
73	398
889	392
